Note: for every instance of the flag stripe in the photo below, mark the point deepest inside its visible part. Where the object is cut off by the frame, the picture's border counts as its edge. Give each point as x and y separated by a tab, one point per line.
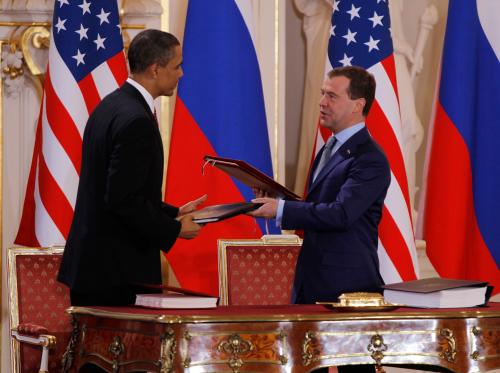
53	199
103	79
388	102
393	241
62	126
393	201
381	130
44	228
389	66
387	266
118	67
59	163
90	92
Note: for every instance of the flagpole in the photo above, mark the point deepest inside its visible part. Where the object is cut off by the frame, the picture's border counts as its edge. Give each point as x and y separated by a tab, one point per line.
165	101
1	189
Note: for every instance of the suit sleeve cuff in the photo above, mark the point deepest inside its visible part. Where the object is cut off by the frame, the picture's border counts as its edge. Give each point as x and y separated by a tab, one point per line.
279	212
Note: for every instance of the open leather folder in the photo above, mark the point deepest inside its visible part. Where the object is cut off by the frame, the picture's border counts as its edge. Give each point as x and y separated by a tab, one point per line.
250	176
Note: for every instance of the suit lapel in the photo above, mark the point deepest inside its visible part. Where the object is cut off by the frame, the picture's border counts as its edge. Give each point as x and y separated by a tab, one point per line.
346	151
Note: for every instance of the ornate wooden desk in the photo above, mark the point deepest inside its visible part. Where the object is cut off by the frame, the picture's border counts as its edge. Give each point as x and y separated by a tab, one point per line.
292	338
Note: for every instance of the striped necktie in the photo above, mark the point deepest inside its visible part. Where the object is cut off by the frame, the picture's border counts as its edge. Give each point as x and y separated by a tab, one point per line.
325	156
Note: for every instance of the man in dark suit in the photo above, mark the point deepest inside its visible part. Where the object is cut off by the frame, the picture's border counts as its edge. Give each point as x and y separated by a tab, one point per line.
120	223
346	192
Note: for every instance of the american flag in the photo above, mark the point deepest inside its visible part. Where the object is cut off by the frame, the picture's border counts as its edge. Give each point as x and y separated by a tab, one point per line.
360	35
86	62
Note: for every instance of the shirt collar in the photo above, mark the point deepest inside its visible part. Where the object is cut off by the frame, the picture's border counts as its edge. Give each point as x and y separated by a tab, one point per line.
348	132
147	96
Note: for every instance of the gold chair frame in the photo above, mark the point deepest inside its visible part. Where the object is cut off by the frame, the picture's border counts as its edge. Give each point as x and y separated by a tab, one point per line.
46	341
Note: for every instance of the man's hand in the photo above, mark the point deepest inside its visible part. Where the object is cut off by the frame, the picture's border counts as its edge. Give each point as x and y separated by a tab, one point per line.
189	229
191	206
261	193
267	210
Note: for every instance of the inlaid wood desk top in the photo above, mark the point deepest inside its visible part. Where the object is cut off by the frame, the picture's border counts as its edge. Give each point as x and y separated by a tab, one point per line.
294	338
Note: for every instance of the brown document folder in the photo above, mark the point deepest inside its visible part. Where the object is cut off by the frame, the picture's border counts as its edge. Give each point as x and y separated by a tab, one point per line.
251	176
215	213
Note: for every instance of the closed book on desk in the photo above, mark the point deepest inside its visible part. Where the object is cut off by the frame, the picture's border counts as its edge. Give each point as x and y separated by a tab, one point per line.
437	293
250	176
174	301
215	213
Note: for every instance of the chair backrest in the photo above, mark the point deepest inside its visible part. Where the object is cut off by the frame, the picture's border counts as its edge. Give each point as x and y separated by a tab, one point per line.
257	272
36	297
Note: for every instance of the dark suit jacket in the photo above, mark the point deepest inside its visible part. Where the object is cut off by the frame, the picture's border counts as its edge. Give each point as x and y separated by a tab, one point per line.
340	218
120	222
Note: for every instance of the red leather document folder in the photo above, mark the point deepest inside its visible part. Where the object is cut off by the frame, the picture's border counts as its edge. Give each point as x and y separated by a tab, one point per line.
251	176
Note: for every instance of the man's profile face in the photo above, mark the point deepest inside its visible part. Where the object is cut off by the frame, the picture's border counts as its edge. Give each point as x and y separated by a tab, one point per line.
169	75
337	110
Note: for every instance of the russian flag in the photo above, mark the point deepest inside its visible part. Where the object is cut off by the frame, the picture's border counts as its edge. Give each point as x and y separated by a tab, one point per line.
219	111
462	225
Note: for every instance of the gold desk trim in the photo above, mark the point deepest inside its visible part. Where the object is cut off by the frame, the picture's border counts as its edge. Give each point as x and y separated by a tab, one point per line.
333	316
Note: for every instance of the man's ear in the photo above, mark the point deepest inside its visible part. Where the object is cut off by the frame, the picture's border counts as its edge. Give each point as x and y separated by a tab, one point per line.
152	71
360	105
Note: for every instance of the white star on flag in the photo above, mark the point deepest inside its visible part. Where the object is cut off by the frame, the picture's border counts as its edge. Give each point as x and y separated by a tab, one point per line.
60	24
99	42
332	30
350	36
372	44
103	17
376	19
354	12
85	7
336	5
82	32
79	58
62	2
346	61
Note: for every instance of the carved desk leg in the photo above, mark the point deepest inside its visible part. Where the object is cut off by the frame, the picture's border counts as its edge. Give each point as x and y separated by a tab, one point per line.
69	355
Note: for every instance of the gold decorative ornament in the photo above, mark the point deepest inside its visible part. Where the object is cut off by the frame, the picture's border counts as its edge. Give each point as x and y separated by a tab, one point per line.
235	346
450	352
116	348
282	357
377	347
361	301
40	39
167	351
308	353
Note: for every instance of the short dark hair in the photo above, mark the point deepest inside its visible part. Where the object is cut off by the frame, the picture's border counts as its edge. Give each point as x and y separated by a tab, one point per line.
149	47
361	84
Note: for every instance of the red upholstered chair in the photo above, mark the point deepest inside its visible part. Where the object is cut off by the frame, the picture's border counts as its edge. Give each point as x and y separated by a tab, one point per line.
37	310
257	272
